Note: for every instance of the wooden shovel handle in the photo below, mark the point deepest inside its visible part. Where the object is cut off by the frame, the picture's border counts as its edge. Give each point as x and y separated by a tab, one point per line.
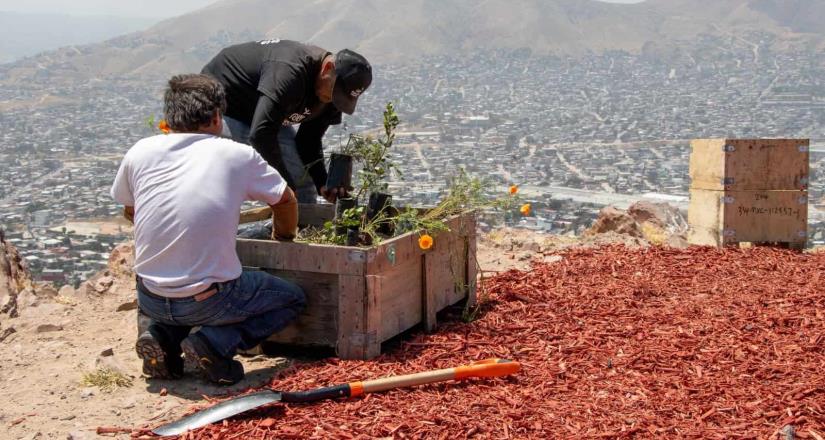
485	368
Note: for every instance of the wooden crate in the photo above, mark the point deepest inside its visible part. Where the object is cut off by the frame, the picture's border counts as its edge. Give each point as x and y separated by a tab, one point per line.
719	218
359	297
749	164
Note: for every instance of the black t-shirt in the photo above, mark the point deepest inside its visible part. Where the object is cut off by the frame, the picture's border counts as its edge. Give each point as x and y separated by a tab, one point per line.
271	83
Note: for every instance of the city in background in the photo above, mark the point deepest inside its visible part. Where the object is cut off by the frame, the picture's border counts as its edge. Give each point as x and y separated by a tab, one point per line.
574	134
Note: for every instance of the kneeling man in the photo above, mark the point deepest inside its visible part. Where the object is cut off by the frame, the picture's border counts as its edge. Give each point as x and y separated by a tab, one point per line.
184	191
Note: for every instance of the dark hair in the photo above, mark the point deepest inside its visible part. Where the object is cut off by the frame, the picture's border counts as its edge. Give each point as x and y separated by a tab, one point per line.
191	101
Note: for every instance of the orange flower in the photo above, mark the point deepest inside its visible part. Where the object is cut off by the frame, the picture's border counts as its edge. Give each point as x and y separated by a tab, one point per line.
525	209
513	190
163	126
425	242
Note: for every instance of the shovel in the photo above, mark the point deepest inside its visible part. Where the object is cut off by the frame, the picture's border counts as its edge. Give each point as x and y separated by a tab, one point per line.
241	404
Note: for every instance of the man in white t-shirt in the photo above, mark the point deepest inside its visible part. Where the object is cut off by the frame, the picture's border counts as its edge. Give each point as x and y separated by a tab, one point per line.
184	190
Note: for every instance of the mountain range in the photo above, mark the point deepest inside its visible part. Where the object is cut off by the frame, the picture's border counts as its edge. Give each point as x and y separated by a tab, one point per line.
404	31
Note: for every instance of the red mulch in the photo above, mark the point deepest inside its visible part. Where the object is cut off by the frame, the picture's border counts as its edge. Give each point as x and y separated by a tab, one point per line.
614	343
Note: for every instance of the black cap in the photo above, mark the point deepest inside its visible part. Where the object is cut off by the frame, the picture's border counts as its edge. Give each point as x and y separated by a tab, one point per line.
353	76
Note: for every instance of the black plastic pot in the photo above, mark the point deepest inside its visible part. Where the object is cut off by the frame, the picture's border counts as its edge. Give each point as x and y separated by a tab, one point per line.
353	236
342	205
340	171
378	203
388	227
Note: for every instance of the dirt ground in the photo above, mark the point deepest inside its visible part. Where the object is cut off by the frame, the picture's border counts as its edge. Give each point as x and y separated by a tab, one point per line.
43	363
58	339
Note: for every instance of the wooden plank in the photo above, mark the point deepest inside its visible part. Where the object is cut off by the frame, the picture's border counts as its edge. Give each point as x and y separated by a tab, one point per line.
401	249
707	163
399	292
317	325
338	260
749	164
393	252
370	338
255	215
429	304
352	308
472	261
720	217
309	214
703	236
765	216
705	209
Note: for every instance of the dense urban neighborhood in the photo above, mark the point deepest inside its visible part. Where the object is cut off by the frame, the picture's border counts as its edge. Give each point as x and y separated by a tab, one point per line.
574	134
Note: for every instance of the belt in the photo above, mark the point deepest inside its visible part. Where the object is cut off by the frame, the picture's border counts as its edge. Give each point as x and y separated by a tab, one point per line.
198	297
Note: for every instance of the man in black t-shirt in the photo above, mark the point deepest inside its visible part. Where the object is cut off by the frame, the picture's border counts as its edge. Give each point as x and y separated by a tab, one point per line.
273	84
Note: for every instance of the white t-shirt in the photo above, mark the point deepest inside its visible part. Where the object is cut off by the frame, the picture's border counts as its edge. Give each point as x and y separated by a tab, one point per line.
187	190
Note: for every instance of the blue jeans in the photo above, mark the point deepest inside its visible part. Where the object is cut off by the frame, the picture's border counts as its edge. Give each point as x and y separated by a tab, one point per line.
242	314
306	193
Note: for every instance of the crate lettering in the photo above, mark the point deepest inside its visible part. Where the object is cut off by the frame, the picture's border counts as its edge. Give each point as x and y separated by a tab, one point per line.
775	211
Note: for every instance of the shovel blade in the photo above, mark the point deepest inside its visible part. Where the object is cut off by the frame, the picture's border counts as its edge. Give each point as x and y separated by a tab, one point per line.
223	410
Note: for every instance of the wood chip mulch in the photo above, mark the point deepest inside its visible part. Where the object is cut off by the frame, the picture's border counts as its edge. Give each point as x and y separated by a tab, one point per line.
614	343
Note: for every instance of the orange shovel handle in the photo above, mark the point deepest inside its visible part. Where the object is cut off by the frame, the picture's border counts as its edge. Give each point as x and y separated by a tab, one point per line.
487	368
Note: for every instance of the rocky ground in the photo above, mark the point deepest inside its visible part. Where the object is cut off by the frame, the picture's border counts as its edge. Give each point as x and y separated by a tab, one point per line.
50	339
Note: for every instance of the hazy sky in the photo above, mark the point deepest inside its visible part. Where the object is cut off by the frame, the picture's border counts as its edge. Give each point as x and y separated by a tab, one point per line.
127	8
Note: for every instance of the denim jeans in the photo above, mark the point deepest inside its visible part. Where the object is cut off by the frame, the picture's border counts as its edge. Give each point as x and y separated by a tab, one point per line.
242	314
306	193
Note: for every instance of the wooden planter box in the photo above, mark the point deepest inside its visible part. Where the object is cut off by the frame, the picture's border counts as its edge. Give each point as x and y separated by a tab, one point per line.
749	191
357	297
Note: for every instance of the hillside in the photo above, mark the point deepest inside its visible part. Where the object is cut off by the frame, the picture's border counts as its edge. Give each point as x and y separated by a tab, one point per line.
402	31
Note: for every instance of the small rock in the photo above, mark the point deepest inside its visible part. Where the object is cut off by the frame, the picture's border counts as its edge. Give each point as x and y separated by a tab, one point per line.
164	391
78	435
125	307
8	304
83	290
67	291
46	291
32	436
107	352
788	433
26	298
110	363
677	242
122	258
6	333
532	246
103	284
129	404
46	328
68	417
85	393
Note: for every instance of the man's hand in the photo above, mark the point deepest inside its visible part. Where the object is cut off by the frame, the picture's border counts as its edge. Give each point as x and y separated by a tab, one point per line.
332	194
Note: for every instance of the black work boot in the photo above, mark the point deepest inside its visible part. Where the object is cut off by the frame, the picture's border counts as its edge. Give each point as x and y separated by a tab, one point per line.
160	353
216	368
